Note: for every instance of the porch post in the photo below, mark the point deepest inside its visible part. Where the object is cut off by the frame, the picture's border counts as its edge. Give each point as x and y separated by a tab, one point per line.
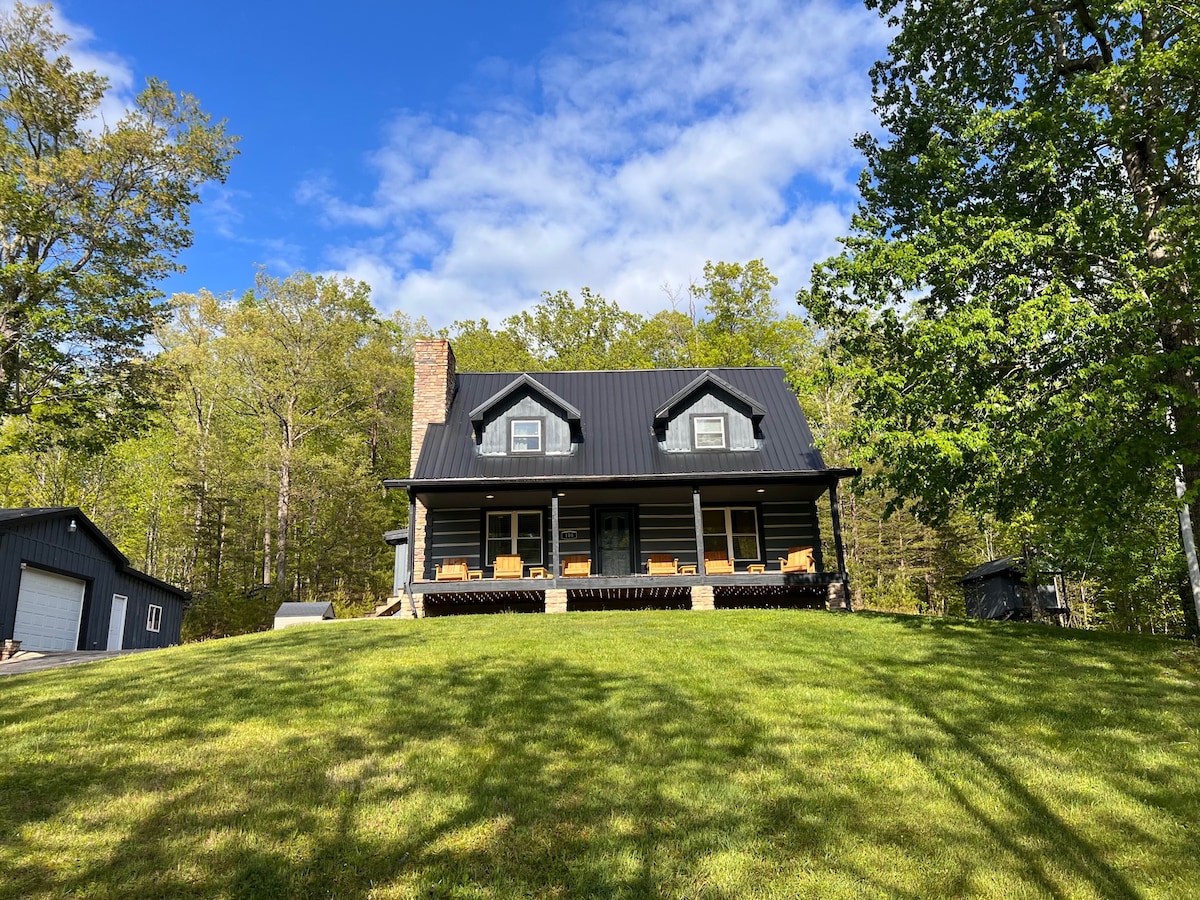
835	514
412	555
699	531
554	524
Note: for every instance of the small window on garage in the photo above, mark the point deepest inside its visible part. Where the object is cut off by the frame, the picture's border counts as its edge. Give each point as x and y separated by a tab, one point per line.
154	618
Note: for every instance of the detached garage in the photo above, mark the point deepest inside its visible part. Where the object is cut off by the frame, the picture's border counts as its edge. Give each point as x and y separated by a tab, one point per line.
65	586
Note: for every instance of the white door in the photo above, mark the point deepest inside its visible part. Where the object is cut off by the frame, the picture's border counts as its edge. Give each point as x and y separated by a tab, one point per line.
49	608
116	622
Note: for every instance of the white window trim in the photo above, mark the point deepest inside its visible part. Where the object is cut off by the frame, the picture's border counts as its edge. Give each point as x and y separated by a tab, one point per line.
512	538
512	435
720	420
154	618
729	510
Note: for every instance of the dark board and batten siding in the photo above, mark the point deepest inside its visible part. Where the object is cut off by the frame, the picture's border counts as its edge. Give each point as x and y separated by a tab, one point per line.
46	544
556	430
739	428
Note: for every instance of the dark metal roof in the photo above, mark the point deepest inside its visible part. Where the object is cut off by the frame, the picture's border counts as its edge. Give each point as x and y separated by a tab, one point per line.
1012	564
618	430
477	414
707	379
11	518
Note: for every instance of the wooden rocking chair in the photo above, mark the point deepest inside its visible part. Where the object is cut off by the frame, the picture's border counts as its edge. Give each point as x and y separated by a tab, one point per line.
717	563
451	570
576	566
799	559
508	566
662	564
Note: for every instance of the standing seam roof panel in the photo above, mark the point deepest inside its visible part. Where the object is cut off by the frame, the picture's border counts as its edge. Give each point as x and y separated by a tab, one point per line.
617	421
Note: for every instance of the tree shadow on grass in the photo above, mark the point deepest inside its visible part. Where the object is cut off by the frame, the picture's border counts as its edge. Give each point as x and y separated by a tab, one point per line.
298	773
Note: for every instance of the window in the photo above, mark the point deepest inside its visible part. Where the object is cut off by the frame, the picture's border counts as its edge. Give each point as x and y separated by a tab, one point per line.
154	618
708	432
519	531
526	435
732	529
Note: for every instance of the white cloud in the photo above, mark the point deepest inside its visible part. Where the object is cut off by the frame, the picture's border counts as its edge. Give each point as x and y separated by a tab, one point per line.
656	137
85	57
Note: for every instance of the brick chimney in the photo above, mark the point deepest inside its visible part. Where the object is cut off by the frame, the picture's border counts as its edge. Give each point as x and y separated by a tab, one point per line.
433	389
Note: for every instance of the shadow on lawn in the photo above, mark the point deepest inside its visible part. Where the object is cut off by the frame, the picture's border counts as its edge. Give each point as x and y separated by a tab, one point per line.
1091	698
510	775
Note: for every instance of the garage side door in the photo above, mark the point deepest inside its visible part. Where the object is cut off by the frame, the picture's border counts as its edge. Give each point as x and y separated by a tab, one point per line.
49	608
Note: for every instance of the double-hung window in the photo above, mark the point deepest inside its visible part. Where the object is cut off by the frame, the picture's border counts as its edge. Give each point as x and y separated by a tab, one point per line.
516	531
732	529
525	435
708	433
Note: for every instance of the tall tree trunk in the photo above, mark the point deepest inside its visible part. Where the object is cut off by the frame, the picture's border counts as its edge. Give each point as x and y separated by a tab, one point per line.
1187	533
283	518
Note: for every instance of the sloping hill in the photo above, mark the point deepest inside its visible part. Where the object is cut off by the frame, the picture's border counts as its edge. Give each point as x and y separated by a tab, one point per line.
731	754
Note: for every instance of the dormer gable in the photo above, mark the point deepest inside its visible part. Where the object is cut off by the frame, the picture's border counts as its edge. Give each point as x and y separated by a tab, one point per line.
526	418
709	414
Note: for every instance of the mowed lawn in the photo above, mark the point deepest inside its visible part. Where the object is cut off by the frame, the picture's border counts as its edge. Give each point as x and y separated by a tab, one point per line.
677	754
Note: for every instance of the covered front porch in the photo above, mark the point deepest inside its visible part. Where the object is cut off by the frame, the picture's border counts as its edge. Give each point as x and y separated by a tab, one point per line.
618	528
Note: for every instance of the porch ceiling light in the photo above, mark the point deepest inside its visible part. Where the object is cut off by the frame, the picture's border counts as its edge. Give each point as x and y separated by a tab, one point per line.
762	490
490	497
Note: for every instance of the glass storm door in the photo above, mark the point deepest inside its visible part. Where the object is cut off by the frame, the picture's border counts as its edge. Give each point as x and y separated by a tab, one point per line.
614	530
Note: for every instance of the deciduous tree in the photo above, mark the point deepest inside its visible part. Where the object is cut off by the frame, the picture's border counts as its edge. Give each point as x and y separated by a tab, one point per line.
1018	291
92	215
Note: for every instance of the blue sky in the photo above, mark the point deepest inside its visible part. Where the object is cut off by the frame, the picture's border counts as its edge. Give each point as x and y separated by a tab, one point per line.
463	157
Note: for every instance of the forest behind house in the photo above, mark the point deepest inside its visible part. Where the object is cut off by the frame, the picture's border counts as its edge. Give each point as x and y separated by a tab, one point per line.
255	475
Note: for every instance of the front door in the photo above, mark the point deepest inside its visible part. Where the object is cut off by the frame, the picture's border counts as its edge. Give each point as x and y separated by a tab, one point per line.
615	540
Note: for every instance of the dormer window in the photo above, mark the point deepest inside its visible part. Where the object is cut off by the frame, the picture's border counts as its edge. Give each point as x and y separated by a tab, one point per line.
708	433
525	435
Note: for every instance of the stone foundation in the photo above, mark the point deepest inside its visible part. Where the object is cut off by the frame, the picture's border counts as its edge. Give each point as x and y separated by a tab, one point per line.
9	649
418	604
702	596
556	601
839	598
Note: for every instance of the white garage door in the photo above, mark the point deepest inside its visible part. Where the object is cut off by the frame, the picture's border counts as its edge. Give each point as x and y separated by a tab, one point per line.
49	607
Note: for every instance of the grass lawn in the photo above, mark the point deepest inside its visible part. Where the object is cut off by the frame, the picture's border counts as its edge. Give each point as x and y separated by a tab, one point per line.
720	754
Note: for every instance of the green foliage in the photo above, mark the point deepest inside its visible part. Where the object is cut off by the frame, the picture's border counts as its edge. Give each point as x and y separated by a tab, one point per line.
91	216
739	754
1014	303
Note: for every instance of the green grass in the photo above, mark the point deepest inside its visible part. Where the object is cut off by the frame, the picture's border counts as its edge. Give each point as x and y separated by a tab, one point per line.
727	754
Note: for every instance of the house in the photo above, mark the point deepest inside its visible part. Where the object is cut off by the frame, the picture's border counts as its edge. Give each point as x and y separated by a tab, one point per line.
290	614
64	586
580	490
999	590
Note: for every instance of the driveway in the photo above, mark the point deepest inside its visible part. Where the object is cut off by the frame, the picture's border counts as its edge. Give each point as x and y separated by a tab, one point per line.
36	660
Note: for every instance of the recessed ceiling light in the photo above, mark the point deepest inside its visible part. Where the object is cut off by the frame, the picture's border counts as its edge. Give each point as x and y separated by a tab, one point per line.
762	490
491	496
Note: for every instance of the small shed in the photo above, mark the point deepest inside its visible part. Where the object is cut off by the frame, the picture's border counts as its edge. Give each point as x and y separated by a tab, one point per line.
65	586
290	614
999	590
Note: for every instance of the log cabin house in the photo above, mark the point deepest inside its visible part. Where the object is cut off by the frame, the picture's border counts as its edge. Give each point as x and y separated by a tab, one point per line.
555	491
